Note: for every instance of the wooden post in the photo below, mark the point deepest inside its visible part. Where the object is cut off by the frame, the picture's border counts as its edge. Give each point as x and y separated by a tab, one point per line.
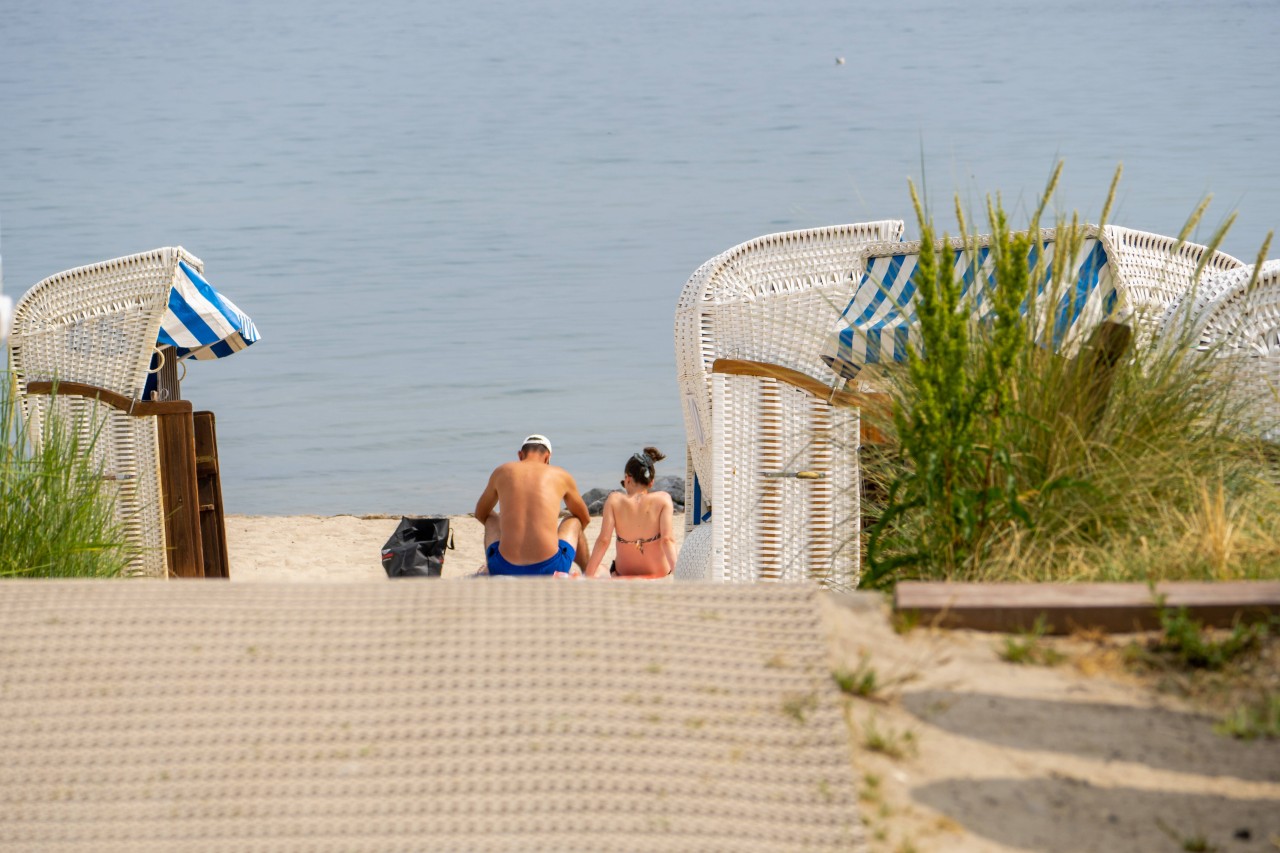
1093	372
179	500
213	535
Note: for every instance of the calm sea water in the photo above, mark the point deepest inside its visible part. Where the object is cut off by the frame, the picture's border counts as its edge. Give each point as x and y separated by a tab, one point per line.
458	223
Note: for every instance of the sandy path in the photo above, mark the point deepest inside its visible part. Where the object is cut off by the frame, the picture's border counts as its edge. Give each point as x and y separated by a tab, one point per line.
956	750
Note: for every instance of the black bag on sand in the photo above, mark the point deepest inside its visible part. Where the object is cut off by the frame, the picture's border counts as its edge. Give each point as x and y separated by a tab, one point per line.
417	548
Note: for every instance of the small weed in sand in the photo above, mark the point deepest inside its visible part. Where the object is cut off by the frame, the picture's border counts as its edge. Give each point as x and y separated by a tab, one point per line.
1252	720
1234	674
800	707
888	742
1190	843
870	790
905	621
862	682
1029	647
1188	641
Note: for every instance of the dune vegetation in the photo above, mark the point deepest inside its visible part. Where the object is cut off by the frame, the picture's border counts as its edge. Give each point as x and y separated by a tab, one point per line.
56	517
1011	458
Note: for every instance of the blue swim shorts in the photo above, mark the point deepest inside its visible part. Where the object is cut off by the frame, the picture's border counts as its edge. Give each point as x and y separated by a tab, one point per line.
560	561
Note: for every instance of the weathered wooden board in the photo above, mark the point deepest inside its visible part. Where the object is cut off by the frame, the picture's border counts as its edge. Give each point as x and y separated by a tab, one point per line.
1115	607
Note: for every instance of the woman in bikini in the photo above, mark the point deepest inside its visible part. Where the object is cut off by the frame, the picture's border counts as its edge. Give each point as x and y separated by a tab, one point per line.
642	521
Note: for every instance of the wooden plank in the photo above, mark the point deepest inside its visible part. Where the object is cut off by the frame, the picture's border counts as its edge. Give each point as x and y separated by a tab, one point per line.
111	398
1114	607
213	531
868	434
179	501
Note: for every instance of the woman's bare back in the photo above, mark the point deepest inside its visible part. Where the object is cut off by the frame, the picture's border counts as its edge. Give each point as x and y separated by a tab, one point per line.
643	545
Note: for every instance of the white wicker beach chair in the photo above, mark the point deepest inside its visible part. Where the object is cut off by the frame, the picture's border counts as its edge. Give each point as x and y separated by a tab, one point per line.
95	327
1236	316
766	302
771	300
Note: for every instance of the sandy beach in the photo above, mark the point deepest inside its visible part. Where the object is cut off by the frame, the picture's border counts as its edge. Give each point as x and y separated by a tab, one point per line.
955	749
347	547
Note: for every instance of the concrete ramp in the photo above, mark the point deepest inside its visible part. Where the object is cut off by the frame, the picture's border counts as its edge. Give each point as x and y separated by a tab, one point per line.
419	715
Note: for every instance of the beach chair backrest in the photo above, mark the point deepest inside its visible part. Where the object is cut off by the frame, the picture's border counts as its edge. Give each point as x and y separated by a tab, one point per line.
768	299
1116	273
97	324
1157	272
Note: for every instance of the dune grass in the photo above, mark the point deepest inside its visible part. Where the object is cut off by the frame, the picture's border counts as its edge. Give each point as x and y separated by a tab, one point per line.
56	520
1009	459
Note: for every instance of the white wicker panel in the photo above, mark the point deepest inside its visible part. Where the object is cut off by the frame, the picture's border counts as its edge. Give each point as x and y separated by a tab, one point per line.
125	451
782	528
694	562
1242	323
770	299
1154	272
1256	380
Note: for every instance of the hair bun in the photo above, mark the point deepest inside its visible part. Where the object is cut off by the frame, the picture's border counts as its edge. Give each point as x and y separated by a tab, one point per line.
654	453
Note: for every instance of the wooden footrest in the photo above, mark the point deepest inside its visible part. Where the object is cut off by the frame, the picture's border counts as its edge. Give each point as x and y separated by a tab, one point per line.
1114	607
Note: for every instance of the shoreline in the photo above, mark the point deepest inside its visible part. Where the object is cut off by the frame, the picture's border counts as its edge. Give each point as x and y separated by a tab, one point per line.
348	548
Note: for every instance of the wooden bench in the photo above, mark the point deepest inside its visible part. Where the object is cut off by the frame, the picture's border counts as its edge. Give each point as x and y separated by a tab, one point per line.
1113	607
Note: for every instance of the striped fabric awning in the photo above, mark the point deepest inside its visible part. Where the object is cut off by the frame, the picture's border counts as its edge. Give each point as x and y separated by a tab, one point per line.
879	324
201	323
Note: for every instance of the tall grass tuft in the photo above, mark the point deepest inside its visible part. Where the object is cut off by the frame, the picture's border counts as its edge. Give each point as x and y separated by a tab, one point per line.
1010	458
55	519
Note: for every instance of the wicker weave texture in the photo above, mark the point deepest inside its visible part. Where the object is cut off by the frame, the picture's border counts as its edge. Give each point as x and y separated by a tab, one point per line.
1155	272
1236	316
694	562
773	299
97	324
455	715
1221	307
769	524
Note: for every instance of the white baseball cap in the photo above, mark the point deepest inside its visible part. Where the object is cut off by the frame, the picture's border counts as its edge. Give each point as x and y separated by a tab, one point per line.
539	439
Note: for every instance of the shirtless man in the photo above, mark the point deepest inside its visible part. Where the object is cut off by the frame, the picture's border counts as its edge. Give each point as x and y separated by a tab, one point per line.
526	540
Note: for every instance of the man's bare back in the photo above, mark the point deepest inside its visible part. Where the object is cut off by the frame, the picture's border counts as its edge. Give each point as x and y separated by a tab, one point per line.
528	530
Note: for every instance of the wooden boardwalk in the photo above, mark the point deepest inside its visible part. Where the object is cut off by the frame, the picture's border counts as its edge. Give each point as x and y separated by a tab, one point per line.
478	715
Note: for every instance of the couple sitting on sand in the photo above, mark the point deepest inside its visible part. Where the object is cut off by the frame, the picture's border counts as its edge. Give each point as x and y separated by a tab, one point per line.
530	539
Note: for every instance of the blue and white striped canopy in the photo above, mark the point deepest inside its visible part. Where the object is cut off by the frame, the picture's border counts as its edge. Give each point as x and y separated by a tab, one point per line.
201	323
879	324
